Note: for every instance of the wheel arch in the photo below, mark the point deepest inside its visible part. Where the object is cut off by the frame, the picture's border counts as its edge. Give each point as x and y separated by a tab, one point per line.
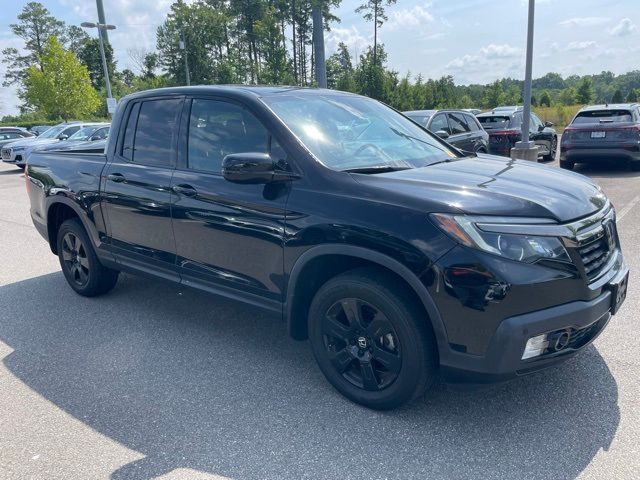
60	209
303	283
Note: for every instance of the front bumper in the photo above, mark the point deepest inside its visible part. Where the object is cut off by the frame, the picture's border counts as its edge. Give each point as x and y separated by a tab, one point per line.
502	359
12	157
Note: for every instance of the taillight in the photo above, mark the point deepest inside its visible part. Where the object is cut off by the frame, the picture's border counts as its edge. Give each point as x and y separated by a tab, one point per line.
504	136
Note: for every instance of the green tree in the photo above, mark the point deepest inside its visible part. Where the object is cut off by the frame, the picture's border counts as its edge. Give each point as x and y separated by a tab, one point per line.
617	97
60	87
545	99
568	96
89	54
584	92
35	25
632	96
374	11
494	95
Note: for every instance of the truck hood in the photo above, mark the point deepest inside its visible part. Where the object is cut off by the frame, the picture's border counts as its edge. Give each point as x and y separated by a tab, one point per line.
490	185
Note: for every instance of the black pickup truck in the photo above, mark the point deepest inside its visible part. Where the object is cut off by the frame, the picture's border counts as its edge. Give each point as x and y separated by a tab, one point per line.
396	255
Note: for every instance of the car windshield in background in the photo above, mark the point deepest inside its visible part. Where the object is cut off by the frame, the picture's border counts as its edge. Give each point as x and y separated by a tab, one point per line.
84	133
53	132
354	133
494	122
603	116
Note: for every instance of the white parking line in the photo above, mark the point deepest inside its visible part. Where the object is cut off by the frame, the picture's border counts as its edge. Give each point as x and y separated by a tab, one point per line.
628	207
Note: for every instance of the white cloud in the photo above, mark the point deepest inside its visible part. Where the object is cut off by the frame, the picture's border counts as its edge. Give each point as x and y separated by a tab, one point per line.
579	46
408	18
584	21
500	51
355	41
624	28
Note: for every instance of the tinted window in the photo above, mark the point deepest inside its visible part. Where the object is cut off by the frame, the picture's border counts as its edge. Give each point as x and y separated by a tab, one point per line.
603	116
217	129
9	135
535	123
494	121
130	132
516	121
420	119
157	132
71	130
440	123
472	122
458	124
100	134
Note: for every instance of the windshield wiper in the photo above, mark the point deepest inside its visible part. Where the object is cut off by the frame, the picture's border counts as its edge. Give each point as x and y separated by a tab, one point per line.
375	169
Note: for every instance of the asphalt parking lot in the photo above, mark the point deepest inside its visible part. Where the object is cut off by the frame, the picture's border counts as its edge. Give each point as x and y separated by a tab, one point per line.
154	381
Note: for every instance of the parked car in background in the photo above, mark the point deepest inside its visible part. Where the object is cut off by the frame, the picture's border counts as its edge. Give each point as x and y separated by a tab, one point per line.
11	134
473	111
400	258
16	152
457	127
39	129
87	134
602	133
504	125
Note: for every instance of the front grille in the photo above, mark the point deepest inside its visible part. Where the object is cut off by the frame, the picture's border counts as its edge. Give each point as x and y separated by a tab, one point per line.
6	154
595	255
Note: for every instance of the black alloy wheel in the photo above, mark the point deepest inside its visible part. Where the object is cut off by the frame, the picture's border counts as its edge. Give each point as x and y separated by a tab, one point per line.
362	344
79	262
372	338
553	146
74	256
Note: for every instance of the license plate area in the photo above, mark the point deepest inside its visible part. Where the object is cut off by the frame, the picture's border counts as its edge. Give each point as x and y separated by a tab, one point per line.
598	134
618	293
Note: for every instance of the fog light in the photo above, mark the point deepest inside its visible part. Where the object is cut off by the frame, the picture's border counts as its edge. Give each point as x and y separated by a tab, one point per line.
535	346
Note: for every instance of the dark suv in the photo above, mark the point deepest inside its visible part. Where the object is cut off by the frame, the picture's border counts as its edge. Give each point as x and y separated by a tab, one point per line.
602	133
397	256
458	127
504	125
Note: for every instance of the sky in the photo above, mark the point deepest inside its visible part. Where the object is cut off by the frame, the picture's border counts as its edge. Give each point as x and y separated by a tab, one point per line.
475	41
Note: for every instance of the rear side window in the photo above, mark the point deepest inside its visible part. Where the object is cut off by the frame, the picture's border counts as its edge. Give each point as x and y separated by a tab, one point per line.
603	116
458	124
217	129
440	123
130	132
494	122
156	132
474	126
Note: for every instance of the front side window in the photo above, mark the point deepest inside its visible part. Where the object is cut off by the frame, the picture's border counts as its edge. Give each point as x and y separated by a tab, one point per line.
346	132
53	132
156	132
217	129
440	123
458	124
70	131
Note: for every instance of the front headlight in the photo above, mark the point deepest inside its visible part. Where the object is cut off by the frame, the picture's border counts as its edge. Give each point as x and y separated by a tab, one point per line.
17	149
520	247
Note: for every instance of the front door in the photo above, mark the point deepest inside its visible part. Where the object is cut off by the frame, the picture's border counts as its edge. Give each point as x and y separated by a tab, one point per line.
228	236
137	186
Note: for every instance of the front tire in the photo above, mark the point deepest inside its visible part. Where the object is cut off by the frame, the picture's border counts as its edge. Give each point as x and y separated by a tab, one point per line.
371	339
79	262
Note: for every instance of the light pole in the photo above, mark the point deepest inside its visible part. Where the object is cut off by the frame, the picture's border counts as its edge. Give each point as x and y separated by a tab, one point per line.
183	46
103	27
525	149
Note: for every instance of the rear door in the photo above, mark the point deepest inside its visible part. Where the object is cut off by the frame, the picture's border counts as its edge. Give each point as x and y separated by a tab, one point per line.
229	236
136	186
461	135
479	137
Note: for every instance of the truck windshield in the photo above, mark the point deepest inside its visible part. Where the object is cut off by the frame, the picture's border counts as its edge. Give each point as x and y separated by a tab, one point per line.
347	132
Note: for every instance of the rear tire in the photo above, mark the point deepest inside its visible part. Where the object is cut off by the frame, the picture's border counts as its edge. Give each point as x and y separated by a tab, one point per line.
567	165
371	339
79	262
552	152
